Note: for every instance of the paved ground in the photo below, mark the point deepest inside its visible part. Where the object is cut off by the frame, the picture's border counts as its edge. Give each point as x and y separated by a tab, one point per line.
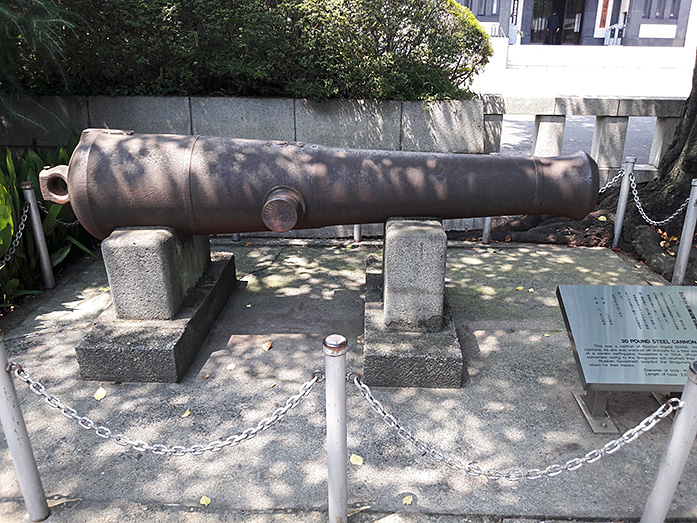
515	410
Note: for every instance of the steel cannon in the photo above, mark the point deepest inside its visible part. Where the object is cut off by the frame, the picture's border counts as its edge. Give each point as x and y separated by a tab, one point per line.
209	185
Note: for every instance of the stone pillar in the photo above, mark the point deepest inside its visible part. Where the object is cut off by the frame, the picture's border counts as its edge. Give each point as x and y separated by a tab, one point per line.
493	126
151	270
548	137
167	295
662	136
409	337
414	274
608	144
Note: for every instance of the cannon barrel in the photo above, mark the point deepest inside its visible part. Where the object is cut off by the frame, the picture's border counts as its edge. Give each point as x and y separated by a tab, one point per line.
209	185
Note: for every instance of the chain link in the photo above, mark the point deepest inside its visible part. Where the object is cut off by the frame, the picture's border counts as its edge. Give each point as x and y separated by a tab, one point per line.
142	446
640	208
637	202
61	222
18	236
609	184
515	474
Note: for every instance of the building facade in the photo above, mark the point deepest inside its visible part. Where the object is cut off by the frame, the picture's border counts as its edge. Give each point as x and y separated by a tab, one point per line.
586	22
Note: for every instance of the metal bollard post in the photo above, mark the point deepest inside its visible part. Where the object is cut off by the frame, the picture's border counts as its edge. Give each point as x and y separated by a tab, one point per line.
680	440
19	445
486	232
629	162
357	233
335	347
688	233
39	239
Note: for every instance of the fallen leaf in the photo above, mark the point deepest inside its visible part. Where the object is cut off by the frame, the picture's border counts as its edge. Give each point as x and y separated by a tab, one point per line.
205	500
103	289
663	243
531	289
507	239
100	394
231	366
249	305
355	459
520	288
207	376
602	218
408	500
187	413
546	335
248	244
273	385
267	346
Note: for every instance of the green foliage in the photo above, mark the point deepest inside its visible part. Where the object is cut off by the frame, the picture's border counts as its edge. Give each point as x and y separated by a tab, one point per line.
31	40
21	275
398	49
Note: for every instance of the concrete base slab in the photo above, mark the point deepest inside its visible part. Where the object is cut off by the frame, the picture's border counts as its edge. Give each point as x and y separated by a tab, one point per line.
156	350
406	359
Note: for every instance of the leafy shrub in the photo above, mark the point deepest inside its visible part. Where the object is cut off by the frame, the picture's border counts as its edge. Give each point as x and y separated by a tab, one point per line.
21	275
398	49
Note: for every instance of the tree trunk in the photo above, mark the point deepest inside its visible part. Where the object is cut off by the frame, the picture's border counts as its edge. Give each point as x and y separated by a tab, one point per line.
663	196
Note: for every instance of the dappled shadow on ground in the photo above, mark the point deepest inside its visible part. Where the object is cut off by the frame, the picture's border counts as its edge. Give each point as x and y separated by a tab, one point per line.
516	410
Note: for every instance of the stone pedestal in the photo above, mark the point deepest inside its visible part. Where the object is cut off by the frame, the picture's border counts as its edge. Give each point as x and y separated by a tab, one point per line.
151	270
414	274
167	294
409	337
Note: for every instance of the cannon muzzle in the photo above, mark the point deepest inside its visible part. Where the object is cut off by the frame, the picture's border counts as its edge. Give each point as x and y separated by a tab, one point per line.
208	185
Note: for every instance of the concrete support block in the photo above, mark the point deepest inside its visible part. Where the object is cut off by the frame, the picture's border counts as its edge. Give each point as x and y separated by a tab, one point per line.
548	136
607	148
578	105
157	350
359	124
660	107
142	114
150	271
406	359
448	126
49	119
662	136
252	118
515	105
414	265
493	126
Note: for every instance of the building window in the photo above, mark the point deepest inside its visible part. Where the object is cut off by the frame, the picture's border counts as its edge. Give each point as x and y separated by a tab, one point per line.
481	8
495	7
467	4
646	13
674	9
660	8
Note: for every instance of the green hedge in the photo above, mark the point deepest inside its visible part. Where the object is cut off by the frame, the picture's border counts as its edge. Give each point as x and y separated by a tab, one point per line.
21	274
389	49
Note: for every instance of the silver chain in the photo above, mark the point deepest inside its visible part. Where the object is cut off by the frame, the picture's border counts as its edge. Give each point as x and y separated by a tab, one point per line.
517	474
609	184
639	207
158	448
18	236
637	202
64	224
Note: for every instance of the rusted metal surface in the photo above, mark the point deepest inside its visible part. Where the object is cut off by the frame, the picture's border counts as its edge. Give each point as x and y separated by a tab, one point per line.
209	185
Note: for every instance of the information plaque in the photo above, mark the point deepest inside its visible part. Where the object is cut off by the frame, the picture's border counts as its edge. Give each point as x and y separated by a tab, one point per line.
631	337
